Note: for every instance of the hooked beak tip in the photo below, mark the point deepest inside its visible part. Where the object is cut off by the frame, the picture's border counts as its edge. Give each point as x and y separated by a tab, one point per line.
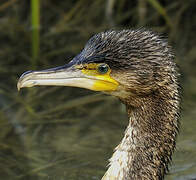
18	87
19	84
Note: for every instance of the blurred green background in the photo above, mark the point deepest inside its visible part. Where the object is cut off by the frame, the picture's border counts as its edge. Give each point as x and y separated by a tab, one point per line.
58	133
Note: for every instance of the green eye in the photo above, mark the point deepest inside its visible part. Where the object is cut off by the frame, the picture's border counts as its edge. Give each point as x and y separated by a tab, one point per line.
103	68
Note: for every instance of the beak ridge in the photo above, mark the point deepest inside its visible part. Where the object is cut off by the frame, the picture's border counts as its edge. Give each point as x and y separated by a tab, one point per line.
45	77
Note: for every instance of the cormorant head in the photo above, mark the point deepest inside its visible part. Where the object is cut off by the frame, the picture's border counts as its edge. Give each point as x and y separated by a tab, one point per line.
122	63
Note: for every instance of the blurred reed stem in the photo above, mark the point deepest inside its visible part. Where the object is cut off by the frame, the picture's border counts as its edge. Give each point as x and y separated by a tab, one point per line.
35	23
161	10
142	11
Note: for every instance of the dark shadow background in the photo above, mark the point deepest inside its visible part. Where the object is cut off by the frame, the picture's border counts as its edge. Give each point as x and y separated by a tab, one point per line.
58	133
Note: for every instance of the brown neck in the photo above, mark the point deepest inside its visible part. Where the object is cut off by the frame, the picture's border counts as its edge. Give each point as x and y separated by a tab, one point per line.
149	141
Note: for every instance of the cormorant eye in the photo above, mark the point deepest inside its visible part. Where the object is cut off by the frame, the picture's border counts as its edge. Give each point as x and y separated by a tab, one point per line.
103	68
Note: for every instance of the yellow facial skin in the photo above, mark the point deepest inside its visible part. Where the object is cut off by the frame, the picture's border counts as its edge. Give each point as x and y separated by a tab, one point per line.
102	81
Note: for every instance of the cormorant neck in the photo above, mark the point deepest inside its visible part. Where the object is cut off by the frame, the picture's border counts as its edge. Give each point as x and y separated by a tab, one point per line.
149	140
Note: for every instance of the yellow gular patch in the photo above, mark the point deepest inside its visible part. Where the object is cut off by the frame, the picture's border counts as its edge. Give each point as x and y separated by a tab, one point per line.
101	81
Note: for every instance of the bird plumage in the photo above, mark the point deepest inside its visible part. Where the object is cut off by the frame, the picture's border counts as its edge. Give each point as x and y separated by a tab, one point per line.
144	76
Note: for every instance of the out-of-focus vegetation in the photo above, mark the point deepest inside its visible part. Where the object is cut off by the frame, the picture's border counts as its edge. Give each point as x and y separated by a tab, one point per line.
35	24
65	133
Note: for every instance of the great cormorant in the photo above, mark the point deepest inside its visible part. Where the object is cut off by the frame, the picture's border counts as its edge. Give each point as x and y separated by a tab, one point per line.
138	67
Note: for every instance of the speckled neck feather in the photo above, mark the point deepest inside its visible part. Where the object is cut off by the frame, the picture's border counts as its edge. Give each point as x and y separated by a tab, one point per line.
149	141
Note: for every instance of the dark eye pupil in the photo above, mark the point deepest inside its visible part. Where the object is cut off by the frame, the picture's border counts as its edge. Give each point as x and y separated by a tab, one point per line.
103	69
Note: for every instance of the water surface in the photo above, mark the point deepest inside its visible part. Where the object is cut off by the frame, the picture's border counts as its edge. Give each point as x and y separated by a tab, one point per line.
54	137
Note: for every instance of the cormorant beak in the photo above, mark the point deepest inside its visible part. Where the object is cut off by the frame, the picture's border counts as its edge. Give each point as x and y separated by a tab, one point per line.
68	75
